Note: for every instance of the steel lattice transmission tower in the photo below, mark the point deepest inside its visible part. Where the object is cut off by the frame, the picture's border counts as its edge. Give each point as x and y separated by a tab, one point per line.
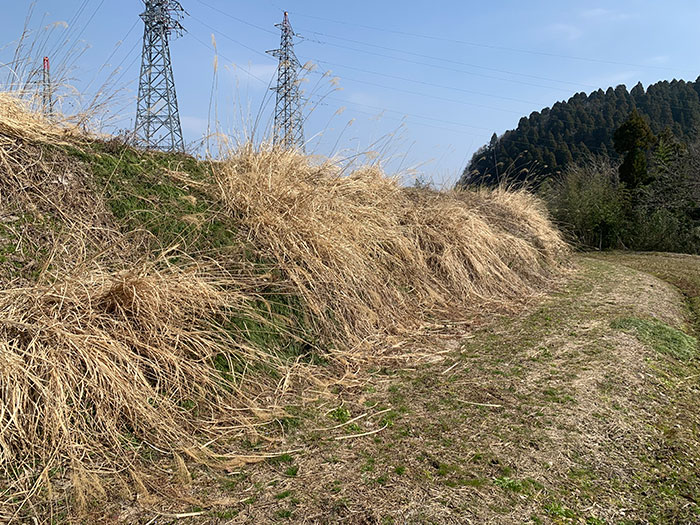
157	117
289	121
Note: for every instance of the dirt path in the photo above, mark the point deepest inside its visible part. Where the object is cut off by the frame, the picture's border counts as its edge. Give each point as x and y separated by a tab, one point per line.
582	410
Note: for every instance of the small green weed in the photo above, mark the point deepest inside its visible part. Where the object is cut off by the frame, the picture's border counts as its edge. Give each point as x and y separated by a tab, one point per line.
559	510
282	458
508	484
340	414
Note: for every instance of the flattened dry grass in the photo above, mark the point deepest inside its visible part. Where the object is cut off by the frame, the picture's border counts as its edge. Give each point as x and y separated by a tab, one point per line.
96	367
51	217
369	256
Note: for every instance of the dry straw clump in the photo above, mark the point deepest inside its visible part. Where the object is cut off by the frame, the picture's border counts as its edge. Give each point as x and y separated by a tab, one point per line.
92	370
19	121
369	256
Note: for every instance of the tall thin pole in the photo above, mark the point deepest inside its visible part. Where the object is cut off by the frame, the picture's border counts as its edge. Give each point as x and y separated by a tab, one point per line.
47	89
157	116
289	121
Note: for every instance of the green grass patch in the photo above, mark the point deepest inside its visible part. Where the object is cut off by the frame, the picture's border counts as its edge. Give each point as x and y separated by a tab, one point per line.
283	494
284	514
143	196
661	337
559	510
292	471
283	458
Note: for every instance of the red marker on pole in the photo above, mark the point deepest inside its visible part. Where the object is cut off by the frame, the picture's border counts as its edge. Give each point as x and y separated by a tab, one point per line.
47	96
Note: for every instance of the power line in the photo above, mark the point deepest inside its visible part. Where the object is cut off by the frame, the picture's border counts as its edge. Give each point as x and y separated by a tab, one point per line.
123	39
432	97
364	82
251	75
407	114
422	82
407	60
92	17
117	47
393	87
485	68
446	68
236	18
211	28
464	132
228	59
514	141
127	68
442	59
365	105
481	45
71	25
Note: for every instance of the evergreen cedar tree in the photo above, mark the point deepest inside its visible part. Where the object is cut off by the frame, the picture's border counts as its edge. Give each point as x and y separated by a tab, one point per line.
546	142
634	139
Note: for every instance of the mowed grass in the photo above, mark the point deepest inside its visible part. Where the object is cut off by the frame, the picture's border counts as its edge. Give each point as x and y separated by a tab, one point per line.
581	409
680	270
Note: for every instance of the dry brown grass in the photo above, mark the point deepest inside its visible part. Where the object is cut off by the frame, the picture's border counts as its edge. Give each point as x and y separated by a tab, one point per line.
95	369
369	256
50	212
110	352
17	120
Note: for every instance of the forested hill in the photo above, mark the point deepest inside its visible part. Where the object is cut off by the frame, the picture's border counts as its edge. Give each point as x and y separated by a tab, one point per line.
546	142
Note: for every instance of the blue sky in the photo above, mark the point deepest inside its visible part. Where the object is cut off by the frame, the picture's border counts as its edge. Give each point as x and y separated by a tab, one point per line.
422	84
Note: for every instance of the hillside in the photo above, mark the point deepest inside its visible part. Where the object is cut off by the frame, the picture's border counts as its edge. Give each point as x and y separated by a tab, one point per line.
546	142
162	317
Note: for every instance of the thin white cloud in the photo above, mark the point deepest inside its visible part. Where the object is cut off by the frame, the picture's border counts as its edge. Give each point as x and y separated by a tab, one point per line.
566	31
360	97
600	14
658	59
253	72
595	13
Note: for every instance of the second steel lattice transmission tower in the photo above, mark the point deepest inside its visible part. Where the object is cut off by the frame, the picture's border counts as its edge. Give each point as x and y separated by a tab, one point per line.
157	117
289	121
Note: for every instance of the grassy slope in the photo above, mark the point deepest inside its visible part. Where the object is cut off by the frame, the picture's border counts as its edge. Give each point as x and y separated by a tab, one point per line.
141	195
145	192
582	410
